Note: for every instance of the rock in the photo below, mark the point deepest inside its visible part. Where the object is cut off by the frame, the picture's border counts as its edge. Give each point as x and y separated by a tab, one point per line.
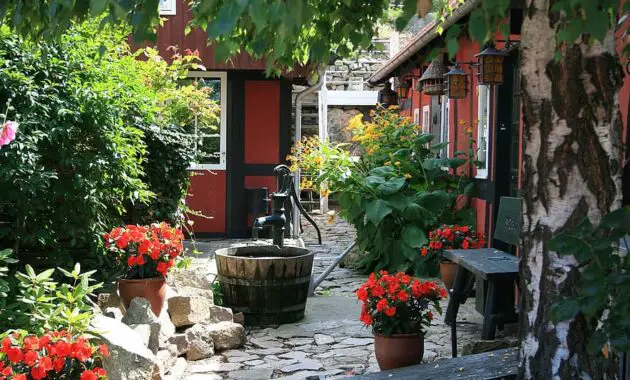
305	364
181	279
106	300
129	359
140	317
480	346
181	342
196	292
213	365
113	312
166	359
188	310
239	318
255	362
201	344
252	374
167	328
227	335
353	342
293	355
139	312
204	376
236	356
321	339
220	314
144	331
298	341
177	371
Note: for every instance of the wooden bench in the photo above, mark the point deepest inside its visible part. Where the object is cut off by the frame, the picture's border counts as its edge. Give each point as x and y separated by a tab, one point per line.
500	364
496	271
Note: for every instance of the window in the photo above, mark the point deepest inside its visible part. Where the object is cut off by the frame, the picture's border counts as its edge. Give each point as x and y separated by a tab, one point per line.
210	144
444	132
483	130
426	119
168	7
416	116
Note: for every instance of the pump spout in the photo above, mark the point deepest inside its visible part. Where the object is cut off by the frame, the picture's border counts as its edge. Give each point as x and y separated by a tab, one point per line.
277	220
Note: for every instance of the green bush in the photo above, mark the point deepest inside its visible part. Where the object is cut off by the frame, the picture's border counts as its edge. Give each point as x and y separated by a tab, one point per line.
94	148
394	194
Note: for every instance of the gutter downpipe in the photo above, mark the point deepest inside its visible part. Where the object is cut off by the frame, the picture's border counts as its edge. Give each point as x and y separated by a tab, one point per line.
298	137
407	51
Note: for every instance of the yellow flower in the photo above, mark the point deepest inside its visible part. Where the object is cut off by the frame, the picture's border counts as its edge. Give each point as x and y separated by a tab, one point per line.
318	160
407	175
388	163
324	193
293	167
397	163
469	130
331	217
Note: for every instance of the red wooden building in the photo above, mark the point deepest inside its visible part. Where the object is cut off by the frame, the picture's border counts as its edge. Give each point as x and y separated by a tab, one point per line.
254	133
493	112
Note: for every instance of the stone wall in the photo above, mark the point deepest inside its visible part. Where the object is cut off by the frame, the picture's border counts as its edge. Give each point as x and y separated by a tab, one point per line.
352	75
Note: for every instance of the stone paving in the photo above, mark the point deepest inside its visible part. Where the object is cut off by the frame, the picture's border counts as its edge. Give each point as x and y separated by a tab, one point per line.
330	342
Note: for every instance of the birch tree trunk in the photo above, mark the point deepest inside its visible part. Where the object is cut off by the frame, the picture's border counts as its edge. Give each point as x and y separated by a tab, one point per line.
572	169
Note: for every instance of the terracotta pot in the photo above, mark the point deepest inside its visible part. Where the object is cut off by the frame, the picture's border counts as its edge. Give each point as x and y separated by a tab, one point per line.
152	289
448	271
400	350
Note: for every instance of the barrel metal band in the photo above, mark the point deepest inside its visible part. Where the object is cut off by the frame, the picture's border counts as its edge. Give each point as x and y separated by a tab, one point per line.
252	282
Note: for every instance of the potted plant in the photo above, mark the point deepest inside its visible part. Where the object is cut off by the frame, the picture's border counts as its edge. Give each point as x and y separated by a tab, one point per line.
451	237
147	253
398	307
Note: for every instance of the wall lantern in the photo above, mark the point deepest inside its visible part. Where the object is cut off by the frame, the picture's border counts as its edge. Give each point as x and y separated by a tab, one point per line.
403	89
491	66
432	80
387	96
456	83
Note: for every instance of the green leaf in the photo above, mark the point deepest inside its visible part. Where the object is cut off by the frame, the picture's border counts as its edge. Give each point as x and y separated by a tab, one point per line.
436	201
392	186
424	138
414	236
374	181
226	19
377	210
382	171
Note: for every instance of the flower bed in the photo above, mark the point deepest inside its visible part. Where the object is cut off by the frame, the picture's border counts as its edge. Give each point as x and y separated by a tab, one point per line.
54	355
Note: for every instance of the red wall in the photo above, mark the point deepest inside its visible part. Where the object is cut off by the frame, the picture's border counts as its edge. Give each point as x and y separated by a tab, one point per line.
207	194
262	121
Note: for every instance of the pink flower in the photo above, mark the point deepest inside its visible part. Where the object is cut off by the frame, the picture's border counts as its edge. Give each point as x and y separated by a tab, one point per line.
7	133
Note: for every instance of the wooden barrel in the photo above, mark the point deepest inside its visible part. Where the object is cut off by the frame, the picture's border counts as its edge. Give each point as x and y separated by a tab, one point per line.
268	284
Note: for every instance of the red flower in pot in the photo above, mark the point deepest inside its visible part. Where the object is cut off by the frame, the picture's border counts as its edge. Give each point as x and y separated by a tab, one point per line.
398	307
147	253
451	237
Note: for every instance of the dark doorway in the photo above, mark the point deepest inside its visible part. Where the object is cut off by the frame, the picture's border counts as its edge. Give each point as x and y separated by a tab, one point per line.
507	159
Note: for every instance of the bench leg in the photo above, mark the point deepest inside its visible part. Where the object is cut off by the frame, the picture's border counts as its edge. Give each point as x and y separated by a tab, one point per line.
454	340
458	296
489	326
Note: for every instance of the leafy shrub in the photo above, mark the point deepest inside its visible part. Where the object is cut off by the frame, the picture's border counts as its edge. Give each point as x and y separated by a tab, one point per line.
394	193
601	296
95	145
42	304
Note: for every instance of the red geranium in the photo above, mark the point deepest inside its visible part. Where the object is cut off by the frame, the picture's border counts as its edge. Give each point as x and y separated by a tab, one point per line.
452	237
146	251
54	355
398	303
